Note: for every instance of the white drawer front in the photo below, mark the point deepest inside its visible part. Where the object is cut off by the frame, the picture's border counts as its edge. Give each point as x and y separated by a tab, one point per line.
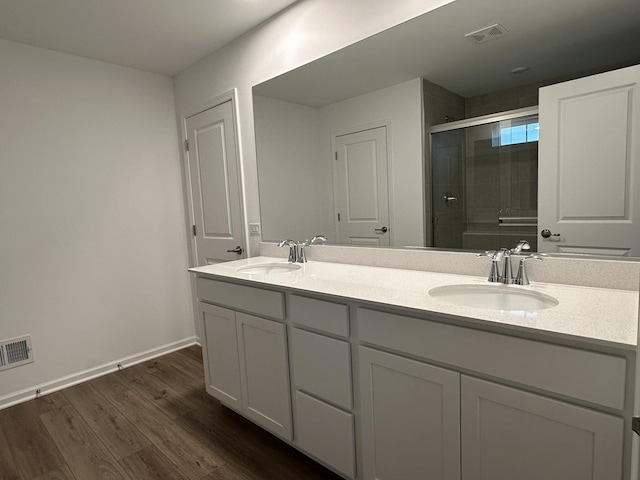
324	316
322	366
266	303
326	433
564	370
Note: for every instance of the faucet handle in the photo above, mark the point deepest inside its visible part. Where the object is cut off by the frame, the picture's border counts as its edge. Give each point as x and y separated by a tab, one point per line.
302	255
521	276
317	238
495	256
522	245
293	249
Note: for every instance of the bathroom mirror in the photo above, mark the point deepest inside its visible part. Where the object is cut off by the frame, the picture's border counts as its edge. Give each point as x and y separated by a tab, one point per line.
390	89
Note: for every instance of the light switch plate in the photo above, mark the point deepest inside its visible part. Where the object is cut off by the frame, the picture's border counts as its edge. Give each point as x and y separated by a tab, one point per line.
254	229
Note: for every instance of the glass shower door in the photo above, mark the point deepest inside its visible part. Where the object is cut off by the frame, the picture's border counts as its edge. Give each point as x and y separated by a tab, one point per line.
485	183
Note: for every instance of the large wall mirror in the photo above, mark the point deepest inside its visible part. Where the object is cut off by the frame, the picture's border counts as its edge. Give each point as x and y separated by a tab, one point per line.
426	135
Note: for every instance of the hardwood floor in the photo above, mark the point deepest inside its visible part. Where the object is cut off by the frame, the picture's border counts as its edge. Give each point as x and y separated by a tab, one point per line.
149	421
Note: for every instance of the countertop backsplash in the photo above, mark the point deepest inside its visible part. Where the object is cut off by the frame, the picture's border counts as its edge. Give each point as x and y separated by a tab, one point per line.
616	274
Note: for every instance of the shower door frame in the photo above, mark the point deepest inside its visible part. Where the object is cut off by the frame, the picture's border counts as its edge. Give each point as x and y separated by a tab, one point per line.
457	125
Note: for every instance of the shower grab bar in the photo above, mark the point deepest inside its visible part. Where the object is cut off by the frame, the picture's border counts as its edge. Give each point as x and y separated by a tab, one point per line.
502	219
507	221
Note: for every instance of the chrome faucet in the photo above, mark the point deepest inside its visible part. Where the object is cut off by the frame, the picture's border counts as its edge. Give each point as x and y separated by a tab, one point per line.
522	245
297	249
501	264
302	256
293	249
506	266
317	238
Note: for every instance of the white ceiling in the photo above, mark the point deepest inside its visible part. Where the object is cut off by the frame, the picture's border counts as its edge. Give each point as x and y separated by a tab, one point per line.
161	36
554	38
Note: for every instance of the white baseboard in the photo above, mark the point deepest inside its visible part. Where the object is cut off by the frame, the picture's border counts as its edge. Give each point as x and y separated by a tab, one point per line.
73	379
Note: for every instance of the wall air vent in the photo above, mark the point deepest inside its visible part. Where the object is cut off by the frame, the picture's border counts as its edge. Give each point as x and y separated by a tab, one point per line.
15	352
488	33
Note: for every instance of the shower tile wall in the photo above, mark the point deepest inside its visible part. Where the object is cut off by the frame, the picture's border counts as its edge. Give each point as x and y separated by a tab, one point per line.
440	105
500	182
502	101
524	95
448	180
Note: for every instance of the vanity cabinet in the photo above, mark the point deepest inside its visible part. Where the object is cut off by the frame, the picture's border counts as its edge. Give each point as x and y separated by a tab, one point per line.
322	382
422	421
433	400
245	356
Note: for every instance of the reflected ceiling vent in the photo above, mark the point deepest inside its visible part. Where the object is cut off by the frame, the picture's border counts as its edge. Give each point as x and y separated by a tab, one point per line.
488	33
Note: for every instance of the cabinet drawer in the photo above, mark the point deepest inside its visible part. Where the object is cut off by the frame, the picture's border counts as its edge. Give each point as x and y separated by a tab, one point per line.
326	433
240	297
324	316
322	366
567	371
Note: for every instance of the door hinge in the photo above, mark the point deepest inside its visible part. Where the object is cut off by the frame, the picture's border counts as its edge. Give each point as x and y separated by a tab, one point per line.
194	230
336	155
635	425
186	145
338	217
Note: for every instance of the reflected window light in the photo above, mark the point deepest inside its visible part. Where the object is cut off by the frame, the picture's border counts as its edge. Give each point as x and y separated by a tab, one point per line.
507	133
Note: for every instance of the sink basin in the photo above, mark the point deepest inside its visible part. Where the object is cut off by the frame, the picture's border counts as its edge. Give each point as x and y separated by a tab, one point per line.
493	297
264	268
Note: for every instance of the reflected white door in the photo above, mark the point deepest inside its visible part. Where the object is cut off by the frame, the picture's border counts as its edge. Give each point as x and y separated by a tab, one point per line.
635	450
215	185
589	165
362	190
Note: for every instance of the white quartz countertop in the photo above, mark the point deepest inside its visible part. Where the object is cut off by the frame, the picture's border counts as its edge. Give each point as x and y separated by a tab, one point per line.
596	315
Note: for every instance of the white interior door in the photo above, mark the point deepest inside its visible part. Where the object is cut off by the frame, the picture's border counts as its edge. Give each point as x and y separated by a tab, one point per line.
635	450
215	185
589	178
362	190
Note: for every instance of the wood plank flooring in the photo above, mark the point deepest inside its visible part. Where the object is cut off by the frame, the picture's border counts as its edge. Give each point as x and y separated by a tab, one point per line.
149	421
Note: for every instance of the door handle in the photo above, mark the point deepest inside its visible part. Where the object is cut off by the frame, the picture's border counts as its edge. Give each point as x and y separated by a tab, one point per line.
448	198
237	250
546	233
381	230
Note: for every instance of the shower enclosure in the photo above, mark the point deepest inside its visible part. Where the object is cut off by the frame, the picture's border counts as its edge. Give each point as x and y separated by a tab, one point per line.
484	181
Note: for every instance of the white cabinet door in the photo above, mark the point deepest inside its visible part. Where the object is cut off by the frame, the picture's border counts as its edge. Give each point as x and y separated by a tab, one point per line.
410	419
221	363
508	434
589	165
264	373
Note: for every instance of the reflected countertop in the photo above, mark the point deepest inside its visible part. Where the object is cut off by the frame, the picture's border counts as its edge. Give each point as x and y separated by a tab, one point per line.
595	315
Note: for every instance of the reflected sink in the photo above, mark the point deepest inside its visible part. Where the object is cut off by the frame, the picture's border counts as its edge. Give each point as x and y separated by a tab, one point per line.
493	297
264	268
